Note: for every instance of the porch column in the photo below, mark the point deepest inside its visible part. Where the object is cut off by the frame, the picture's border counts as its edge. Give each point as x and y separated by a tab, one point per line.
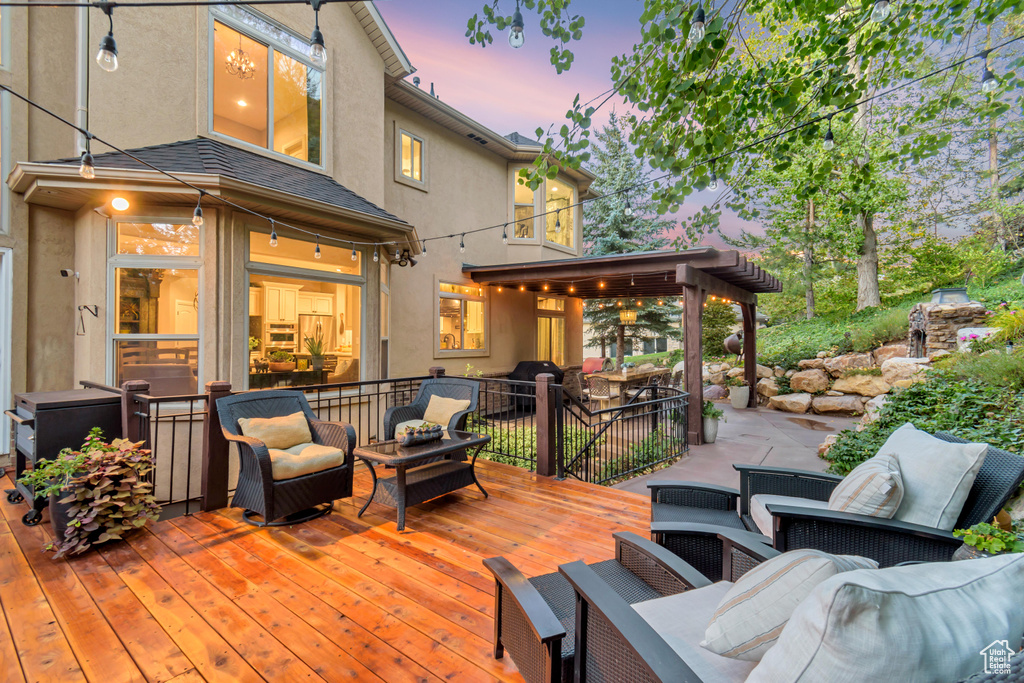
750	350
693	308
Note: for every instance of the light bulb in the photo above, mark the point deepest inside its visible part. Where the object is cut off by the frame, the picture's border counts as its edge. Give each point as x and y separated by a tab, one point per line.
316	252
107	55
317	51
880	12
462	244
376	257
273	238
197	217
629	209
516	37
989	82
830	142
504	235
355	256
424	250
558	224
119	203
86	168
713	183
697	26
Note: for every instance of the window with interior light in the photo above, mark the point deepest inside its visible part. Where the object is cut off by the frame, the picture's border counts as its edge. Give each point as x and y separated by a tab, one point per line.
524	211
462	319
550	208
560	226
155	309
264	90
551	329
411	156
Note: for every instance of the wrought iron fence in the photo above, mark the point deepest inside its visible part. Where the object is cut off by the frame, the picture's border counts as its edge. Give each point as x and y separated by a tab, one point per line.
506	411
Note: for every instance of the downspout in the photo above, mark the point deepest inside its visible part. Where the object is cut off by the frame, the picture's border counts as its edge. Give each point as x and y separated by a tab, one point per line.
82	77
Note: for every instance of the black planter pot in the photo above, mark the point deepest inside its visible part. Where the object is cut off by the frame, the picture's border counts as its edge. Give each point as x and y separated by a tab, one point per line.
60	514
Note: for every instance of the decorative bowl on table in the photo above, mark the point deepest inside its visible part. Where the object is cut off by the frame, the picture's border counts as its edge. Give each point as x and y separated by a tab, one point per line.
423	434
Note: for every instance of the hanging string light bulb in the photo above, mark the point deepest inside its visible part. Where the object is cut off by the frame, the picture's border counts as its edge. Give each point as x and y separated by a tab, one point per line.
316	252
713	183
86	169
629	209
558	223
317	51
989	82
830	142
504	234
462	244
355	254
376	256
572	287
697	26
197	215
516	37
424	250
106	57
880	12
631	283
273	234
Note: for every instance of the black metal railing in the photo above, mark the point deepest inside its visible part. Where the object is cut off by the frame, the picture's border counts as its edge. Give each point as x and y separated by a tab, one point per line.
507	412
609	445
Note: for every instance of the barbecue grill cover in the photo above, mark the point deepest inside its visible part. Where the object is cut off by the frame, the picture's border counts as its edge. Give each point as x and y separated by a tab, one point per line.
528	370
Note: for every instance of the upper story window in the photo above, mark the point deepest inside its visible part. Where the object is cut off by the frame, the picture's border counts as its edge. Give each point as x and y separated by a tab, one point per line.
264	89
524	212
462	320
559	199
412	156
550	209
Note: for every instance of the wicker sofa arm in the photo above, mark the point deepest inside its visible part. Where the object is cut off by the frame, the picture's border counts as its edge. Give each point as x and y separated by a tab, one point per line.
657	567
781	481
693	494
614	638
701	546
887	541
538	615
252	451
457	422
340	435
396	414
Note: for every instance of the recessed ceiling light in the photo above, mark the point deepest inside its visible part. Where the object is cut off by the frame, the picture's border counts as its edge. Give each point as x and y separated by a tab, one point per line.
243	103
119	203
554	188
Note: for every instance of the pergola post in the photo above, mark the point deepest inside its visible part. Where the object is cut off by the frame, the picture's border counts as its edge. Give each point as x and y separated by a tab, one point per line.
750	350
693	309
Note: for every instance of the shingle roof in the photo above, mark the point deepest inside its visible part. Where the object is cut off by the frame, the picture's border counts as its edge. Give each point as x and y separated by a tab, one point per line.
520	139
201	155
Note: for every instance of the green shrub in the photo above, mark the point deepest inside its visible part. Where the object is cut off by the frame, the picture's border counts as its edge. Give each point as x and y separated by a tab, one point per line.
1010	321
887	326
997	369
718	321
642	455
783	384
518	445
869	372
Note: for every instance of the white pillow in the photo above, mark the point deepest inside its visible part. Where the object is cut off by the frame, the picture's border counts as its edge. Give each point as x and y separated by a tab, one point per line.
937	476
280	432
923	622
874	488
751	616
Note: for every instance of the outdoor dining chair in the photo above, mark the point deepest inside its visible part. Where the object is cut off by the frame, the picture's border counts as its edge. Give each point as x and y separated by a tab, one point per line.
602	392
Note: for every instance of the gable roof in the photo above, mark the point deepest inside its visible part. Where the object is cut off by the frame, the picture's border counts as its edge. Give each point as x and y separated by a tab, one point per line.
212	157
396	64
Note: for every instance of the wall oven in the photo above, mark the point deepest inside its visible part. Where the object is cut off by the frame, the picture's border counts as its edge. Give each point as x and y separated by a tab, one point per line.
282	336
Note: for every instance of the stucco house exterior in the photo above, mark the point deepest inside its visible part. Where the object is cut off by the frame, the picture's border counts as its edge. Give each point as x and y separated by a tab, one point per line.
231	102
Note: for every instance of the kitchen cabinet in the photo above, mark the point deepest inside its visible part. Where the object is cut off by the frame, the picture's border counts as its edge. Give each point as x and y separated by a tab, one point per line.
281	303
315	304
255	301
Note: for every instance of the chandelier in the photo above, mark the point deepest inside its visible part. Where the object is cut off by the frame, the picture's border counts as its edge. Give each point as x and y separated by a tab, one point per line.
238	63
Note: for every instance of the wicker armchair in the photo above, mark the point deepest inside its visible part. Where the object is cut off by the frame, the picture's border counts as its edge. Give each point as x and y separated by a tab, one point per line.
535	618
294	499
616	645
446	387
887	541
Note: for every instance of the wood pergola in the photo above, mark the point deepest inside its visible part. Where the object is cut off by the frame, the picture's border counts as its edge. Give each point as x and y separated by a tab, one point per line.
694	274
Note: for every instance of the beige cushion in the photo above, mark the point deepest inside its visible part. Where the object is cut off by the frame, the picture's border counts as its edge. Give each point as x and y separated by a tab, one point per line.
937	476
874	488
400	427
763	519
440	409
277	432
923	622
679	619
303	458
750	617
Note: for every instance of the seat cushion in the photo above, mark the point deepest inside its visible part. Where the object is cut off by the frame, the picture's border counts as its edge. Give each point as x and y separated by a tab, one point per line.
922	622
750	617
937	475
303	458
277	432
667	512
440	409
680	619
874	488
763	519
400	427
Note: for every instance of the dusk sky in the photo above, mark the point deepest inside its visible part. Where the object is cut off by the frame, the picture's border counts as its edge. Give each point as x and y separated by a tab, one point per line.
518	90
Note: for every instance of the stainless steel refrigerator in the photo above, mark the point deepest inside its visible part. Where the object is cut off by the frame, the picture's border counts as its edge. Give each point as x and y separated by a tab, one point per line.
311	325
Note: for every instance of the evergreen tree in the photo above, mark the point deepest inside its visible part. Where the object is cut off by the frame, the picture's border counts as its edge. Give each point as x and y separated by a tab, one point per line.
622	222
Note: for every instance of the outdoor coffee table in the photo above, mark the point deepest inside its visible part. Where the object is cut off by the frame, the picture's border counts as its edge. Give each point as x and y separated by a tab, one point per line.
415	480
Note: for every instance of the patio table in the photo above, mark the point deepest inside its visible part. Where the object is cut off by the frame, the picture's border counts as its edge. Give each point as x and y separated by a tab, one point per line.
621	381
416	480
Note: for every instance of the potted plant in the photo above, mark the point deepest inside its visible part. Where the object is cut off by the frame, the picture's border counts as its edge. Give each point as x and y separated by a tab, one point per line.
711	414
281	361
739	392
316	349
97	493
986	540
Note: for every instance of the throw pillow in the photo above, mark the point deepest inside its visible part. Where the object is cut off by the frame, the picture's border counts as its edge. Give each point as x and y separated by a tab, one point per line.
874	488
753	613
440	410
922	622
937	476
277	432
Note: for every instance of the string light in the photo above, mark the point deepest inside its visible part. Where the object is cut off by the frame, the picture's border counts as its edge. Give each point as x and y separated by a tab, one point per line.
462	244
660	302
880	12
631	283
989	82
86	168
600	285
830	142
499	289
273	234
355	255
317	51
629	209
197	215
558	223
522	288
376	257
572	287
697	25
504	233
713	183
316	252
424	249
516	37
619	303
106	57
545	288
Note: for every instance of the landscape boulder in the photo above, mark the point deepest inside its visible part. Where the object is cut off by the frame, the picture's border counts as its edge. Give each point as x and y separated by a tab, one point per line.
790	403
768	387
763	372
811	381
735	372
837	405
865	385
903	368
779	371
872	407
811	364
840	365
718	378
715	392
827	444
884	353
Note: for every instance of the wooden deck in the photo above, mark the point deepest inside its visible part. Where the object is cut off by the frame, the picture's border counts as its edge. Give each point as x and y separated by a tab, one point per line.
341	598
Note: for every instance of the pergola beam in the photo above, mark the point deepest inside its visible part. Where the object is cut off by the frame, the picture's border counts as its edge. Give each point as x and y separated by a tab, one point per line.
690	276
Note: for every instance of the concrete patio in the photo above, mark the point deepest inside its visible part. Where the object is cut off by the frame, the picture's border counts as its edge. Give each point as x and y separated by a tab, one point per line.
754	437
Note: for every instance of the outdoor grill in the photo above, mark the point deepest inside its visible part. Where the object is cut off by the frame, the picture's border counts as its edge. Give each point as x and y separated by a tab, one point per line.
527	371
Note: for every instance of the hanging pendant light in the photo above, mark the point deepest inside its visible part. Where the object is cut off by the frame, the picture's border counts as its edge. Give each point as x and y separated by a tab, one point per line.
516	37
106	57
239	63
317	51
989	82
697	26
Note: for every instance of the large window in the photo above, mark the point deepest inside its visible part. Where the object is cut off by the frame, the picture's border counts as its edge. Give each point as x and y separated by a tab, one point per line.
558	205
551	329
462	320
155	307
264	91
550	209
412	156
525	210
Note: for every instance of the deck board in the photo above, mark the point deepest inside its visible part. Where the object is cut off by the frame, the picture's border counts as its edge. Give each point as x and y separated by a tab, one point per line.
208	597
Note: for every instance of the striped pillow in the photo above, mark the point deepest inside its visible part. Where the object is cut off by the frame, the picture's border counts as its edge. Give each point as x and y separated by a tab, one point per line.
753	613
874	488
